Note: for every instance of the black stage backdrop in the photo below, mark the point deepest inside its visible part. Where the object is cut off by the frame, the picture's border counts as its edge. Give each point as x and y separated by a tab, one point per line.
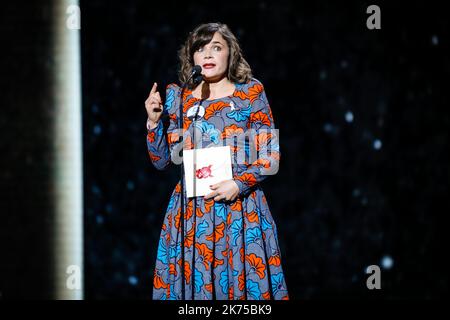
363	122
363	130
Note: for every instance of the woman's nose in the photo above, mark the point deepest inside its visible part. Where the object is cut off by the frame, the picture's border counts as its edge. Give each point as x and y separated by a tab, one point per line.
208	53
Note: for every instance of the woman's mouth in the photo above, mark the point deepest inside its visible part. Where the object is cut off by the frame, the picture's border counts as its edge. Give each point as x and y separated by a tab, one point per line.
209	65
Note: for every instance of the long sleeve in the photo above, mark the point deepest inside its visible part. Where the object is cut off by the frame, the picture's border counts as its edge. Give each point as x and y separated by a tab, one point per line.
264	137
160	146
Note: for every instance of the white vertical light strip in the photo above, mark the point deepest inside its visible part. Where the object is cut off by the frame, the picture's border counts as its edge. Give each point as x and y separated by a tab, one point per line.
68	174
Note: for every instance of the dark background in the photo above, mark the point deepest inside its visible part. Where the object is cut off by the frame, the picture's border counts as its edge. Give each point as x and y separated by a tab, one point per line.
363	125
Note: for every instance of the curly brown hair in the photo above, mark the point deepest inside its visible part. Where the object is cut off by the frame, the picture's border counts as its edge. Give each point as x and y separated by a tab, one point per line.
239	70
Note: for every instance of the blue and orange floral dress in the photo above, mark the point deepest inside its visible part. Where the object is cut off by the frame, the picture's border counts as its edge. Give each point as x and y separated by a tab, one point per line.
231	249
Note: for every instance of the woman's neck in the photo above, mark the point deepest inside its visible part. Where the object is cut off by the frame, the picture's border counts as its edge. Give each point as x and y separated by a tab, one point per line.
214	89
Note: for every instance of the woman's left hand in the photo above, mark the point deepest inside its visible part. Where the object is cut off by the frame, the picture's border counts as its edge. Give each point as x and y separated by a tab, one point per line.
225	190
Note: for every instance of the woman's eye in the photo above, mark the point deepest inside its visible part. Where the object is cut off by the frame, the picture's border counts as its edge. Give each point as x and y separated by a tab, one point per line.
218	48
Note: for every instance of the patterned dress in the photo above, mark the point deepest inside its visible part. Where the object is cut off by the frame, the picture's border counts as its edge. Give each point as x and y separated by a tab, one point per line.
231	249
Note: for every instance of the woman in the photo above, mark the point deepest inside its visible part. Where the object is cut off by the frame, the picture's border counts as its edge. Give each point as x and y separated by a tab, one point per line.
230	244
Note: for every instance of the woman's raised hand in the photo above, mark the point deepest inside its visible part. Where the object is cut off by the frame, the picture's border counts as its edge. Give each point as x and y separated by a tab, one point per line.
154	106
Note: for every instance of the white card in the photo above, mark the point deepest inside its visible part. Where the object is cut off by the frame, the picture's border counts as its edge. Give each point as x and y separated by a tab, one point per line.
212	165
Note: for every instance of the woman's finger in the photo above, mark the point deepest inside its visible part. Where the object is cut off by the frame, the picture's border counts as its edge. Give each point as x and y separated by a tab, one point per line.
156	98
211	195
153	100
214	186
153	91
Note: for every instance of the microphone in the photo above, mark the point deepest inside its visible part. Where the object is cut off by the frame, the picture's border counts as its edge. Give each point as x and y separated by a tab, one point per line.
196	74
196	70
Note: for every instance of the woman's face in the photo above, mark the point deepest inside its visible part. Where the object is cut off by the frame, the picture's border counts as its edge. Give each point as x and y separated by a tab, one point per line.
213	58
